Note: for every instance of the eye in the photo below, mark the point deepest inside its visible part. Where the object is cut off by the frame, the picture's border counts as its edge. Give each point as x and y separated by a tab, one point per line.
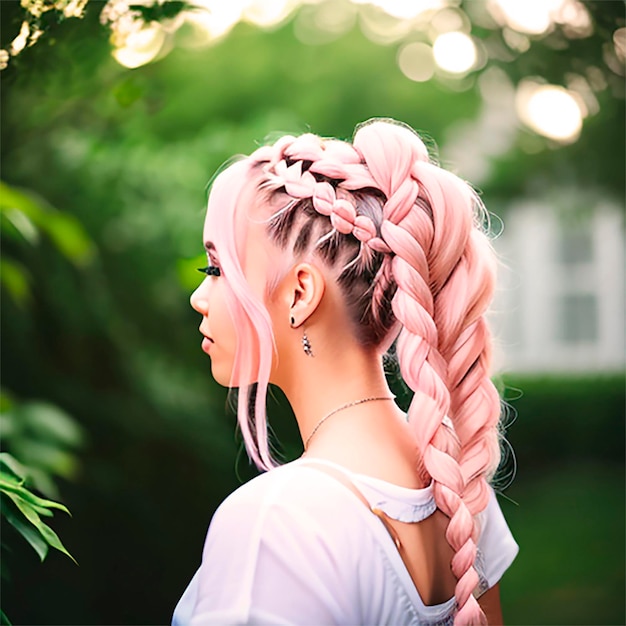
210	270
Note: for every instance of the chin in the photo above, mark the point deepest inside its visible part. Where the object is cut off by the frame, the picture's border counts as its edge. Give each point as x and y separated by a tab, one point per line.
221	377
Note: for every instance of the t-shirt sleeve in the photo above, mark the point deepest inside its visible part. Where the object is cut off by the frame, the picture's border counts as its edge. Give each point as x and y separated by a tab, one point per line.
496	547
266	561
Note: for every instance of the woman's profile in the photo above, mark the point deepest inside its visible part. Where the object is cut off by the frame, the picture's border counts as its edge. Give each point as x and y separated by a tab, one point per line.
324	256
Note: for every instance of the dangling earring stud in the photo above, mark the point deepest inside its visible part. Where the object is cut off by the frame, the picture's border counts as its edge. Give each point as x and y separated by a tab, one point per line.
306	344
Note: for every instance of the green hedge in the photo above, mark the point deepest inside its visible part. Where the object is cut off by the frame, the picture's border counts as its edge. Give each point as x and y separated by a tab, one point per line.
563	418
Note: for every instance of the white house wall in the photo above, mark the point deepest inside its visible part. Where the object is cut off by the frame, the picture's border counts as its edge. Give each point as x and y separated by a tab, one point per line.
555	312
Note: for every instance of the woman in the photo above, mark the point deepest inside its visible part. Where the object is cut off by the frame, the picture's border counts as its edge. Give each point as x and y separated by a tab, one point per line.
322	256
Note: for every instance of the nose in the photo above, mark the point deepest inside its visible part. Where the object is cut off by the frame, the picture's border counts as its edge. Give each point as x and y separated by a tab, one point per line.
199	301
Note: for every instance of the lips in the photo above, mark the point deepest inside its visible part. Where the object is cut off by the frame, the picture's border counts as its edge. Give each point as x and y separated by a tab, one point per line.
207	342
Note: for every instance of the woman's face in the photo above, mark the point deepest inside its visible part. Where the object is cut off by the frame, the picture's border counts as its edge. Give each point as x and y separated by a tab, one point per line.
219	336
211	298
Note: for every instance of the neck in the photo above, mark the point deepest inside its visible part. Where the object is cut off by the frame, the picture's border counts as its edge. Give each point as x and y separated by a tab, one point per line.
332	379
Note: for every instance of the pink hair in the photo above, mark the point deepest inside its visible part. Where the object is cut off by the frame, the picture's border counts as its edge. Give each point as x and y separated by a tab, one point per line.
255	339
417	268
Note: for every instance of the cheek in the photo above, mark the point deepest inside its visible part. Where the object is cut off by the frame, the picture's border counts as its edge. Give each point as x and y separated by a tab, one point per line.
222	351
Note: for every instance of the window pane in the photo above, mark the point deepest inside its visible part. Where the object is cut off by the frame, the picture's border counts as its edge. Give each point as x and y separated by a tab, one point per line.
578	318
576	246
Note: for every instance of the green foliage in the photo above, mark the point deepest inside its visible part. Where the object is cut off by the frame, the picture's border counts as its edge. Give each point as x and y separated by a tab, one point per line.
566	418
23	218
29	215
158	11
23	509
44	438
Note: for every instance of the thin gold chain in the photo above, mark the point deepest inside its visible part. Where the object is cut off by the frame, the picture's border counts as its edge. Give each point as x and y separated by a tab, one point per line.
341	408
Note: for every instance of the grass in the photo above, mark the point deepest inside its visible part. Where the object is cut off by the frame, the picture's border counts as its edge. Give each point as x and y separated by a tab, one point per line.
569	523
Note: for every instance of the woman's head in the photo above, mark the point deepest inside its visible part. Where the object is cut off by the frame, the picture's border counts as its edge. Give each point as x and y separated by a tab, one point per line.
399	241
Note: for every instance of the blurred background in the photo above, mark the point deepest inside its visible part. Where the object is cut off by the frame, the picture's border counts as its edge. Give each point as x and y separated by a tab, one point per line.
116	114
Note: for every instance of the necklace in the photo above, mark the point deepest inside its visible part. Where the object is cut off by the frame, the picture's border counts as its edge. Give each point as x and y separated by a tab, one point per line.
341	408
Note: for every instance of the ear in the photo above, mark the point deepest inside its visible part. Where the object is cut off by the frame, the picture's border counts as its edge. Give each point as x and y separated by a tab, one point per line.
304	287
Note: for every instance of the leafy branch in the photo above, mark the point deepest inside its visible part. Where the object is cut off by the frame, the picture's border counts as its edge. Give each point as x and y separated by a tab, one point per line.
24	510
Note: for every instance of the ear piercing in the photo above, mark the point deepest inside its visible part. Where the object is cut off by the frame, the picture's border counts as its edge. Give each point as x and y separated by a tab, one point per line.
306	344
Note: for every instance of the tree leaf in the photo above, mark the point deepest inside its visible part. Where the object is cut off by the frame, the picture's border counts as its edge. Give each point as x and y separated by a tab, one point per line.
13	199
15	278
26	495
13	465
22	224
6	400
31	515
65	230
70	238
51	423
25	528
45	455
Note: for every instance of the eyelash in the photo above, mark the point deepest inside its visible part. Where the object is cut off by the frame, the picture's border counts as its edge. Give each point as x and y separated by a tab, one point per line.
210	270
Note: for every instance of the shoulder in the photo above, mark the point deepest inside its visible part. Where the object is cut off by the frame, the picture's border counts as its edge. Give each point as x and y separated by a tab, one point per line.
292	491
283	544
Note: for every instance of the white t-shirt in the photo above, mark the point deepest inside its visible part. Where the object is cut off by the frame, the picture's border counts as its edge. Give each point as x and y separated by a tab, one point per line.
296	546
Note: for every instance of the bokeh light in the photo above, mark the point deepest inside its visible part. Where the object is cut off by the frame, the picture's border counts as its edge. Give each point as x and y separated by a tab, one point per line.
536	17
267	13
528	16
403	10
455	52
416	61
550	110
141	46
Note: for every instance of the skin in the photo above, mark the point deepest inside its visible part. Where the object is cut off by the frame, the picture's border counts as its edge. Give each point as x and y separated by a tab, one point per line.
381	443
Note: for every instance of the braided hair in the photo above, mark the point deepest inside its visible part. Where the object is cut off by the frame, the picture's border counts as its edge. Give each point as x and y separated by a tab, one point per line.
415	268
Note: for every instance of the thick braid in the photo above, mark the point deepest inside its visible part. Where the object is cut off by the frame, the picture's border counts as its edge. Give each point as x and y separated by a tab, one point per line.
423	261
475	403
464	338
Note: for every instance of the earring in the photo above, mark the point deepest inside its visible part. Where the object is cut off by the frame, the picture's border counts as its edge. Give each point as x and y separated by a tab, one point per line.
306	344
292	321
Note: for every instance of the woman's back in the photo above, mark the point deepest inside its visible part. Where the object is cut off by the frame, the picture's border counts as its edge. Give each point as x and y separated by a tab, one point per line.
385	450
295	546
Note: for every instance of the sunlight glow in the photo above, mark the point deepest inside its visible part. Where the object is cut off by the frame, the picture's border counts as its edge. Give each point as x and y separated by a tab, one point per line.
449	20
549	110
19	43
416	61
528	16
265	13
405	9
619	41
319	22
454	52
216	16
382	28
141	46
535	17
